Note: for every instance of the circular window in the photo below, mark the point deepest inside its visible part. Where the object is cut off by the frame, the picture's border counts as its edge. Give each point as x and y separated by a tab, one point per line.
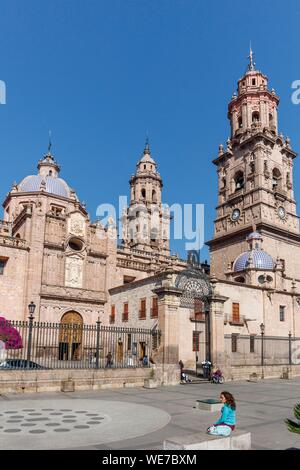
75	244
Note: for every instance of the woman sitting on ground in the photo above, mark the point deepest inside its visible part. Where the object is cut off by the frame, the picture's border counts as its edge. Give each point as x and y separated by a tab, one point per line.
226	423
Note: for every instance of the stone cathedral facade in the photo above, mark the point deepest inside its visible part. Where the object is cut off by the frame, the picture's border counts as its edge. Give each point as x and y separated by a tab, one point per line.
72	268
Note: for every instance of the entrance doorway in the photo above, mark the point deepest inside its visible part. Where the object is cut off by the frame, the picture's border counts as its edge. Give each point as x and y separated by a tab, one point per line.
70	337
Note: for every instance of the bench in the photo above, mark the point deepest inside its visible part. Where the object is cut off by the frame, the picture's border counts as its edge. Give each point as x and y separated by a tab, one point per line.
209	405
238	440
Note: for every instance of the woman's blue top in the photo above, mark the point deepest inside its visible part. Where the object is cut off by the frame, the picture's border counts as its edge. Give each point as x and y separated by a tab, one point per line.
227	415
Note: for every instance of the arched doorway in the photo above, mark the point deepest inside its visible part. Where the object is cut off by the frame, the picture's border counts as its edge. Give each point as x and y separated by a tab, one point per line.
70	337
196	291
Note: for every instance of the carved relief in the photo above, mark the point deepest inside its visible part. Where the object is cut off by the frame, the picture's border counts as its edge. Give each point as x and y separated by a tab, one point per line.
76	224
74	270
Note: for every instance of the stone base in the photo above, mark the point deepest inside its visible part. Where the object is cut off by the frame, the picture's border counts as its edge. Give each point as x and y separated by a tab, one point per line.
209	405
67	386
239	440
150	383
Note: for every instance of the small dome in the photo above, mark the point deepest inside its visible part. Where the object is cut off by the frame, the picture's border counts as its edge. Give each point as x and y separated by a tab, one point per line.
55	185
261	260
254	236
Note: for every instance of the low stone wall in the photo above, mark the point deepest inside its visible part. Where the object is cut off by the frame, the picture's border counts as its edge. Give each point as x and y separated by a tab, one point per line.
14	381
268	372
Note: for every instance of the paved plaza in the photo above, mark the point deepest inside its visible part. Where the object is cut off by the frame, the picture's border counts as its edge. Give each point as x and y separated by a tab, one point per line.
138	418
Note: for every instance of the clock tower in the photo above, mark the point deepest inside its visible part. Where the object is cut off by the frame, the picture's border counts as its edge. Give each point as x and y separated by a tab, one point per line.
255	180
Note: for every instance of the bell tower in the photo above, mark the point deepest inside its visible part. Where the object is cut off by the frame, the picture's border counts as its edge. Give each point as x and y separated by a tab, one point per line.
255	177
146	222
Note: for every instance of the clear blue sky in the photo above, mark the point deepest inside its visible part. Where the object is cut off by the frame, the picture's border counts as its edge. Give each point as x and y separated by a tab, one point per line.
100	74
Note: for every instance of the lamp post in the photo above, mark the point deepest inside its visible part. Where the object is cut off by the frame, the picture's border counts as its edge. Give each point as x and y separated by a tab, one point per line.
31	308
98	323
290	348
262	329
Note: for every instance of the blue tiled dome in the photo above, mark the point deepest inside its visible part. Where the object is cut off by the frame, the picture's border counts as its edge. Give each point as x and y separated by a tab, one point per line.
255	236
55	186
261	260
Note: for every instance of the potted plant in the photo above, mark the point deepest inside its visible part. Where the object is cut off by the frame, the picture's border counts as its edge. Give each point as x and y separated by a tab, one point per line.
151	381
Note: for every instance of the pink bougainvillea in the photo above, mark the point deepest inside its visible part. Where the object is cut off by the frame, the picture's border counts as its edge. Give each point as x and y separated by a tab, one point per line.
10	335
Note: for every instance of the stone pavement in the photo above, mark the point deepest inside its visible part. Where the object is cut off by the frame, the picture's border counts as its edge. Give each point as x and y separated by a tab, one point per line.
137	418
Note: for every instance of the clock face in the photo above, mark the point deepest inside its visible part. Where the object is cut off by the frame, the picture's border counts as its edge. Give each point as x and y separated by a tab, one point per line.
235	215
281	212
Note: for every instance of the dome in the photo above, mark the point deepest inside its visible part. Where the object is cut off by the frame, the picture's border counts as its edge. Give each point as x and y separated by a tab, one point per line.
261	260
55	185
254	236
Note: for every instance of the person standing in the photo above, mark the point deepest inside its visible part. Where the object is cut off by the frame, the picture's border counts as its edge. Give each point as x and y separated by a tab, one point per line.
109	360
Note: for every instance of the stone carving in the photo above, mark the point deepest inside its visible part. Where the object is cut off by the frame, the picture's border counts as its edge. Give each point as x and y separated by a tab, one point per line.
74	269
77	225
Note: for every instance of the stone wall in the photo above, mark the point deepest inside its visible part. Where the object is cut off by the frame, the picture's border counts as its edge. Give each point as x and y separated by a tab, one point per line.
14	381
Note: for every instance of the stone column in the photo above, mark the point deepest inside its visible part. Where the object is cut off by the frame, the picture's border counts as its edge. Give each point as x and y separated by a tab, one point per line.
217	343
168	305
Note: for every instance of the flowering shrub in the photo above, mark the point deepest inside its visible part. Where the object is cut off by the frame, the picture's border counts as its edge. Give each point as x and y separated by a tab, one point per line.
10	335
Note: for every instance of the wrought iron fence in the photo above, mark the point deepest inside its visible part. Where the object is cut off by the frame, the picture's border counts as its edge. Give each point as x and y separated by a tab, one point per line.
262	350
34	345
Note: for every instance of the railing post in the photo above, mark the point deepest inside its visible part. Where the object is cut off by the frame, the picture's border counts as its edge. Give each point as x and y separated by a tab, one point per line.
262	329
31	318
98	323
290	348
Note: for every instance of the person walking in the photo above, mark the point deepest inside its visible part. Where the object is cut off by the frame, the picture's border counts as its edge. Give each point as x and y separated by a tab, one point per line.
227	421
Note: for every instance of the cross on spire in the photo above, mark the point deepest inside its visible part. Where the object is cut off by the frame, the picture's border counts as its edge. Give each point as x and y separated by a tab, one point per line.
251	65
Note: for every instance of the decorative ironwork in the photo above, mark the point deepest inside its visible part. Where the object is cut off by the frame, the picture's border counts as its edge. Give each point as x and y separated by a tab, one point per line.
72	344
194	284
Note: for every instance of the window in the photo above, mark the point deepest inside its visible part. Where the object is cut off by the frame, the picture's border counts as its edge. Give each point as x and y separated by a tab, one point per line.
255	116
112	314
239	180
2	265
282	313
234	343
154	310
196	341
253	81
57	211
235	312
129	342
142	315
125	312
276	178
143	192
199	313
252	343
240	122
75	244
154	198
144	167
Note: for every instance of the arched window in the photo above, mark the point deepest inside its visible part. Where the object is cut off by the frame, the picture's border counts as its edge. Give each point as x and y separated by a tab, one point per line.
240	122
50	172
255	116
154	198
276	177
143	193
271	120
144	167
239	180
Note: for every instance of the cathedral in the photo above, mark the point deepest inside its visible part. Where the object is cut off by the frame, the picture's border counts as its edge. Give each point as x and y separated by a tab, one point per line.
75	271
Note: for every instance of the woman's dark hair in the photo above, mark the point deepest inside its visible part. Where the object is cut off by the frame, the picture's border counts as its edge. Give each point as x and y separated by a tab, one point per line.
229	400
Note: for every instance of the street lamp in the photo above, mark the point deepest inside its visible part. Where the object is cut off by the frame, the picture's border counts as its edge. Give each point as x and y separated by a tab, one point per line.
262	329
31	308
